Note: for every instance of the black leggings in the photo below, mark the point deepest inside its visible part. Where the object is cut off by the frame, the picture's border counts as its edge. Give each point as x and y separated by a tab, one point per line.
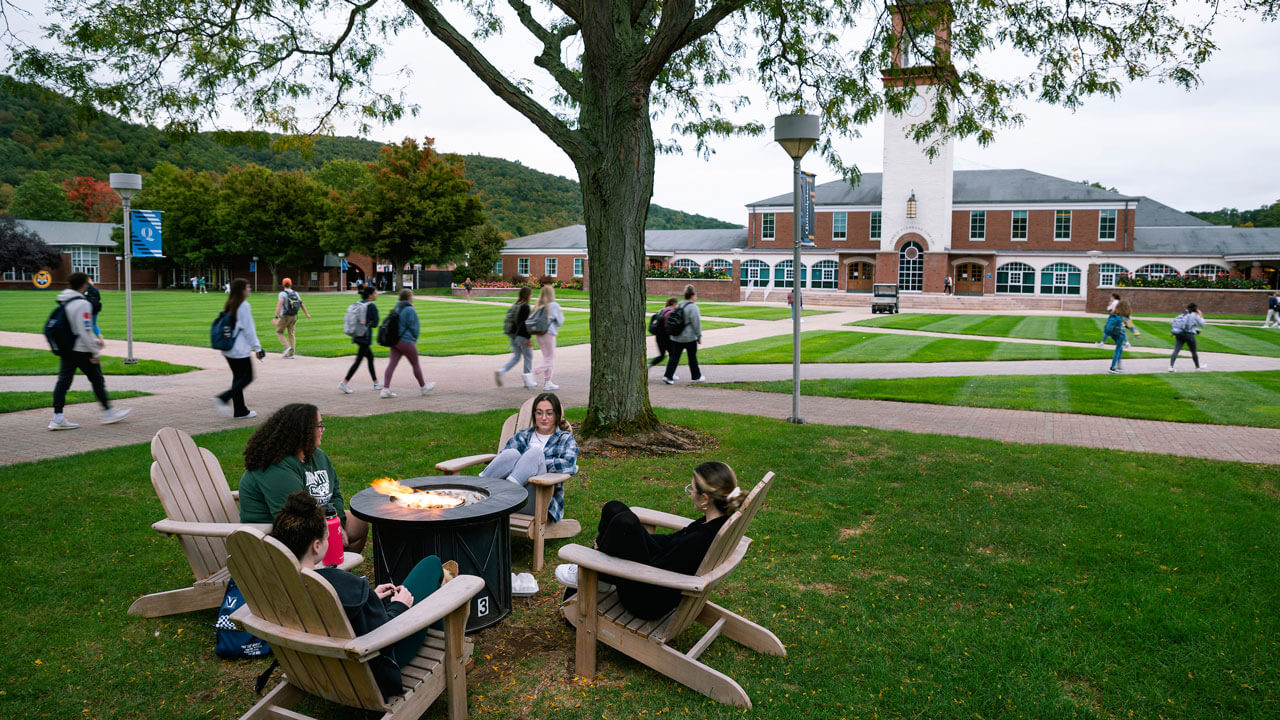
363	352
623	536
675	348
241	376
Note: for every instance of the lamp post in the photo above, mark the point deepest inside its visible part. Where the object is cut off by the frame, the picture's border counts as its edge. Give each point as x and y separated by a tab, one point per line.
796	134
342	272
255	273
117	273
126	186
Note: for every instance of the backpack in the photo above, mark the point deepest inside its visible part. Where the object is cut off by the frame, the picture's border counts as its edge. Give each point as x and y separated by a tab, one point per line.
389	332
222	333
676	320
57	330
291	303
538	322
231	643
353	321
94	297
509	322
1182	325
656	325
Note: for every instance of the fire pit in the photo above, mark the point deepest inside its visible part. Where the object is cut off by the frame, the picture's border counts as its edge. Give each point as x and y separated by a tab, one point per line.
452	517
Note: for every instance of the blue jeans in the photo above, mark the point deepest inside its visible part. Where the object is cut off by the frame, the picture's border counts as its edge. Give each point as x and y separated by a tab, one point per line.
1118	337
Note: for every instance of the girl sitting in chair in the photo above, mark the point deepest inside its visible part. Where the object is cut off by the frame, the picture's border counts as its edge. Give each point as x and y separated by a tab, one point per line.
300	525
546	447
714	492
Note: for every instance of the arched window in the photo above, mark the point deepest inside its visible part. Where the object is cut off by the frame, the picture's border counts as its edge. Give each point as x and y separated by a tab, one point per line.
911	267
1155	270
1207	270
783	275
824	275
755	273
1016	278
1060	279
721	266
685	264
1107	273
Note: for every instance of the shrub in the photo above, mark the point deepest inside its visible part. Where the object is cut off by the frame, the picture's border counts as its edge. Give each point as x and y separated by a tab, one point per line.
687	274
1222	281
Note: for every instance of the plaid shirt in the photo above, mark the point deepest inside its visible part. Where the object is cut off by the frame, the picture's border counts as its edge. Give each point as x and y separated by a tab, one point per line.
561	452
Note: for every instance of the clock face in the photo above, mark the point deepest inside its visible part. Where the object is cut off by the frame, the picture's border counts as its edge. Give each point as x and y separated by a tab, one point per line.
915	108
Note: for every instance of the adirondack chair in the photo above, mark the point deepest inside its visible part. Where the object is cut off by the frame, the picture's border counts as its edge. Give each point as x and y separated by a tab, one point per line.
646	641
200	509
536	527
299	614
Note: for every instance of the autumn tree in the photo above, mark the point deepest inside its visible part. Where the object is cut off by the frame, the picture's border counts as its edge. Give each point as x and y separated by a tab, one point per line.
612	67
91	200
23	250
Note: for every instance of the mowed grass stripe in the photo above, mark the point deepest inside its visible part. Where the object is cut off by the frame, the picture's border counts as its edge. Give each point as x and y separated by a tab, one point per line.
29	400
25	361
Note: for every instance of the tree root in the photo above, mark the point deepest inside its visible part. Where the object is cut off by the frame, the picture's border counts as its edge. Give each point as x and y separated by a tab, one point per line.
667	439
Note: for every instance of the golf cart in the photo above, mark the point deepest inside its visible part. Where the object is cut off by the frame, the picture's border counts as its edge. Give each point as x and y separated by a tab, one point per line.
884	298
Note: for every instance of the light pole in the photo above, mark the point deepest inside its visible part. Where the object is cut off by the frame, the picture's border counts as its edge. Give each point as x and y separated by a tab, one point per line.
126	186
117	272
796	134
255	273
342	272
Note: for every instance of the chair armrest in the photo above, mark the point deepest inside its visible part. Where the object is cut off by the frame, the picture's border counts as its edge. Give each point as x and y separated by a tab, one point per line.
450	467
628	570
549	479
451	596
658	518
180	527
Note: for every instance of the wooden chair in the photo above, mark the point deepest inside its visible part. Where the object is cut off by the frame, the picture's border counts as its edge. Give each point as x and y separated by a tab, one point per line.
536	527
299	614
646	641
200	509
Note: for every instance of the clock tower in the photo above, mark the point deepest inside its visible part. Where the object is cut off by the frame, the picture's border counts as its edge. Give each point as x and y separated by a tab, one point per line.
916	190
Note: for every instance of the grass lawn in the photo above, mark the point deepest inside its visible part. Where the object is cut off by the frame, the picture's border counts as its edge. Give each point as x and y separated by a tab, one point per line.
448	328
15	401
1155	333
837	346
908	575
1241	398
24	361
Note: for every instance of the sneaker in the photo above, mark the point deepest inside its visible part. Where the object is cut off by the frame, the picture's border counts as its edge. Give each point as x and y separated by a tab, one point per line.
523	585
386	393
223	407
426	388
246	416
1170	368
497	378
1099	343
1126	346
344	387
669	381
700	378
1202	366
1114	371
377	386
63	424
115	415
549	386
288	353
567	575
530	383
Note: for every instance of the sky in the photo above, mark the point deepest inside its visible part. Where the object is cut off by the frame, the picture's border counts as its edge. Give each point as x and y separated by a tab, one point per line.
1216	146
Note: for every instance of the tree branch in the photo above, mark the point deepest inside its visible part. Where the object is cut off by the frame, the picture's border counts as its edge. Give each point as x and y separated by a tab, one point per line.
551	41
677	29
571	8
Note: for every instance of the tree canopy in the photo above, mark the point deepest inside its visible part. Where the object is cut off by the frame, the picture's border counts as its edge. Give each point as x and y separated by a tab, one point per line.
23	250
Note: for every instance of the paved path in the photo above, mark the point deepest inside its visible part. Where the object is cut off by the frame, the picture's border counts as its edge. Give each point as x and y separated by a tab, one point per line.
465	384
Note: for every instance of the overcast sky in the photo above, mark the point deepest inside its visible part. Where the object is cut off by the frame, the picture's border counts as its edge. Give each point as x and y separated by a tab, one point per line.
1217	146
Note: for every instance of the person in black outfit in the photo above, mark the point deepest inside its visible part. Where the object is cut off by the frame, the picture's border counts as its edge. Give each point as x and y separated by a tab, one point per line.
660	334
364	343
714	491
301	527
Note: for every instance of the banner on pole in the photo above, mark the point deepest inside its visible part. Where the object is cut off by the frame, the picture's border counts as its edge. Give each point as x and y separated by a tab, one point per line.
144	229
807	196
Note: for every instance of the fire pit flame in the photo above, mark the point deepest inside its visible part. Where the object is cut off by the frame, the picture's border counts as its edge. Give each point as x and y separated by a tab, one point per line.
421	499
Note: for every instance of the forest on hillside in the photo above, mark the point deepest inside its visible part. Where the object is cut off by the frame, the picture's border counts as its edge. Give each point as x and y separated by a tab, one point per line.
43	131
1265	216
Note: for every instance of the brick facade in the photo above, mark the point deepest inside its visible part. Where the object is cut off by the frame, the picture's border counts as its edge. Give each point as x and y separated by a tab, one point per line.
1173	300
714	290
537	265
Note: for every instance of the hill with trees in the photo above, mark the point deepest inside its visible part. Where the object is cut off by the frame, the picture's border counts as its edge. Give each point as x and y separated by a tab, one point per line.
1265	216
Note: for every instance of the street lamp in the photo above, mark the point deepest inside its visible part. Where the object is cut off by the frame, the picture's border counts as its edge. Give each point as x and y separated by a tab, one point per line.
126	186
255	273
117	272
796	134
342	272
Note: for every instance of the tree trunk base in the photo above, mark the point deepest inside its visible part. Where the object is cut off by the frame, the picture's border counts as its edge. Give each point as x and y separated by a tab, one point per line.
667	439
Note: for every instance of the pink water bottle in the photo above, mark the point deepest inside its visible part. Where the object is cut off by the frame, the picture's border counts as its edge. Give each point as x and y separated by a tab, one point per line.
333	555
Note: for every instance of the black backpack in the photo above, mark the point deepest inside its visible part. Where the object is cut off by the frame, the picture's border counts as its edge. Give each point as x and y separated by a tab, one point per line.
656	326
389	331
94	297
57	330
291	303
676	320
222	333
509	322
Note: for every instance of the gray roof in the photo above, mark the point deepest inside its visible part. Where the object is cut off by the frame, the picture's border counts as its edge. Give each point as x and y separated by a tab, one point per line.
574	238
1155	214
970	186
1210	240
60	234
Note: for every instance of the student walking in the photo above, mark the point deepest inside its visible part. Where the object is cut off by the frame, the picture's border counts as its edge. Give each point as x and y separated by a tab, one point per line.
239	357
406	345
554	318
1125	311
1111	308
95	301
204	285
288	305
82	355
1114	329
364	341
518	336
658	326
1273	311
687	339
467	286
946	285
1185	327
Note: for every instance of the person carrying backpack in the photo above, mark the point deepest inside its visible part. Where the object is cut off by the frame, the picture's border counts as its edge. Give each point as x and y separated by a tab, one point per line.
685	325
658	328
405	345
552	319
1273	311
245	345
95	300
364	341
1185	327
518	335
83	355
288	305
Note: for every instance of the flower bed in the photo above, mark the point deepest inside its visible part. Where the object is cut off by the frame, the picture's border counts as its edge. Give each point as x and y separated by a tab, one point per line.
686	274
1222	281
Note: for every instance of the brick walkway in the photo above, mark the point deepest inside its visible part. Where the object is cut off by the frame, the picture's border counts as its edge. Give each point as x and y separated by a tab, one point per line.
465	385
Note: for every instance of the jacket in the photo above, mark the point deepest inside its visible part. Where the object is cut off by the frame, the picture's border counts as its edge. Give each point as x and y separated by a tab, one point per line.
80	316
561	453
522	314
409	324
262	492
368	612
692	331
246	334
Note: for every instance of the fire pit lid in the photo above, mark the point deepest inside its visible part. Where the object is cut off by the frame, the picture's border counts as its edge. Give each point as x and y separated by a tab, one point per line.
502	498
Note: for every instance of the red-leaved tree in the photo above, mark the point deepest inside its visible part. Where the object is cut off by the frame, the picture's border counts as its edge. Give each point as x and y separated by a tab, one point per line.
93	200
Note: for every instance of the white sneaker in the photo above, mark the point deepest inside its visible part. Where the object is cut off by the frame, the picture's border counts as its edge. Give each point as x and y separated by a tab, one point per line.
115	415
1170	368
248	415
223	408
1126	346
426	388
288	353
63	424
529	382
567	575
497	378
386	393
669	381
1099	343
1202	367
344	387
523	585
377	386
700	378
1114	371
549	386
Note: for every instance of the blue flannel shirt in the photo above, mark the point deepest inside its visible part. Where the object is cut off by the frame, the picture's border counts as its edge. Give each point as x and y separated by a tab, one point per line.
561	452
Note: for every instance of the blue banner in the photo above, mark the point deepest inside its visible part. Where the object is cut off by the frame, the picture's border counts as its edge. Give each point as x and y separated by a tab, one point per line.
253	266
807	196
344	265
144	231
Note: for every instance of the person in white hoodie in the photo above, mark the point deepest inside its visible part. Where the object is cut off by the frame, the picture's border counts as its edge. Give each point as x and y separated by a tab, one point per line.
82	356
240	356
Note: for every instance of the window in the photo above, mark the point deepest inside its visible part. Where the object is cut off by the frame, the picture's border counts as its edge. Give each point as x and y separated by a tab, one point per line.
14	273
497	268
766	226
522	266
84	258
1060	279
578	264
685	264
824	275
718	265
911	268
1155	270
783	275
875	225
1016	278
1061	224
1206	271
978	225
839	226
1018	226
755	273
552	266
1107	225
1107	273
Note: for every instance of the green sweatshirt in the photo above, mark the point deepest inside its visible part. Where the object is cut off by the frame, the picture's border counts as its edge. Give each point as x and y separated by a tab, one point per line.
262	492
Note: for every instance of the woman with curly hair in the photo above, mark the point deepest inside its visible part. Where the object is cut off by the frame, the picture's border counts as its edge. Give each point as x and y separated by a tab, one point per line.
283	456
